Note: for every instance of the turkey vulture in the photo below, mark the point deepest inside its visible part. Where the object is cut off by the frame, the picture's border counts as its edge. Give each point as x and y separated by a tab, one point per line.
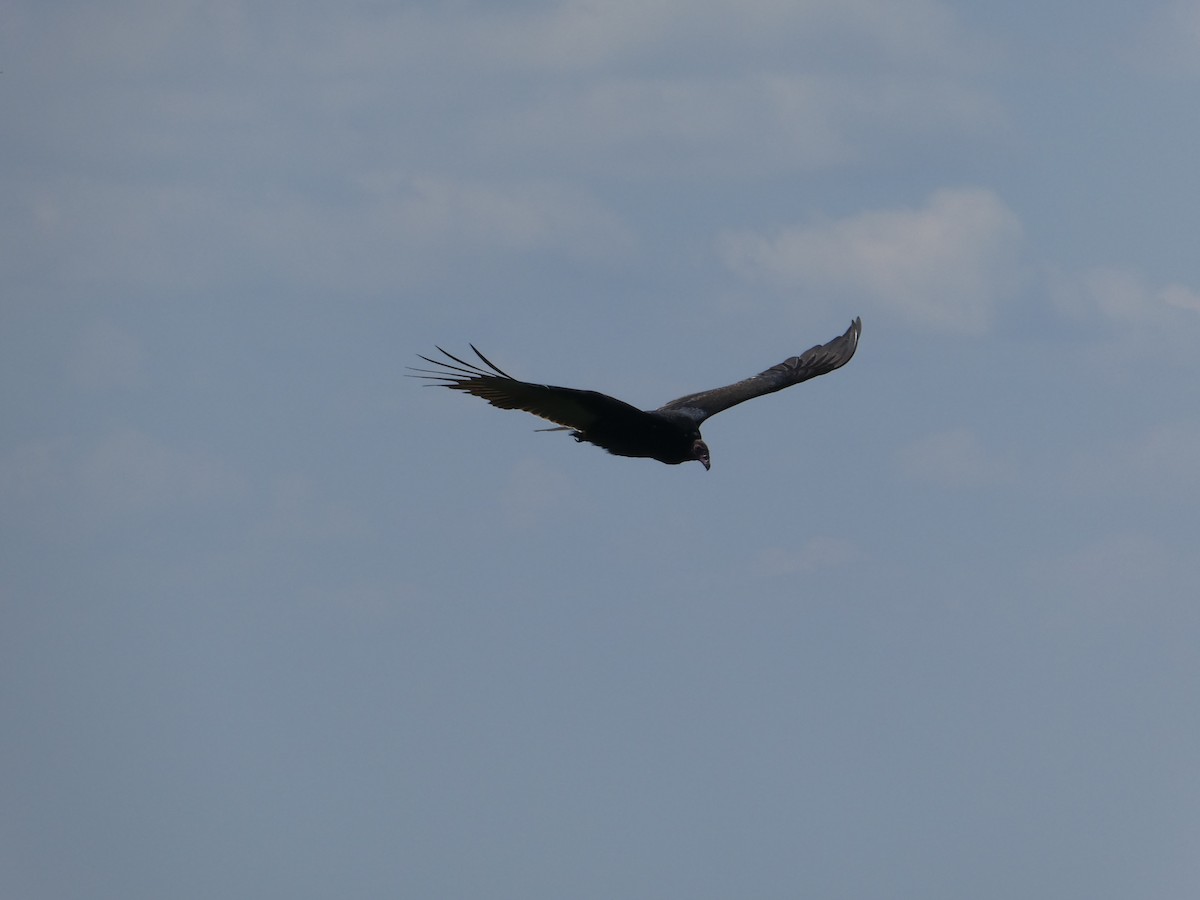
670	434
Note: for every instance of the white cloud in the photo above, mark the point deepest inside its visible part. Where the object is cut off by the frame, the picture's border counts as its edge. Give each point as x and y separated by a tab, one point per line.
1121	299
955	458
945	266
817	553
195	174
1128	319
1181	297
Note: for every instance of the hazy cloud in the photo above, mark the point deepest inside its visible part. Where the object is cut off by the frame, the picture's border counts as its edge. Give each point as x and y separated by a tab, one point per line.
527	216
1120	571
1120	297
1163	463
393	228
251	572
298	513
1169	42
955	458
130	472
820	552
125	474
534	492
106	358
577	34
945	266
746	124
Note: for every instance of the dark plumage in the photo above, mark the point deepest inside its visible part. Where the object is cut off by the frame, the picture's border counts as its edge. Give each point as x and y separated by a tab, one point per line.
670	434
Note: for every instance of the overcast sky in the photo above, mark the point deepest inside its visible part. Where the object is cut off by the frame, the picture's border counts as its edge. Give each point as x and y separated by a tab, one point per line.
278	622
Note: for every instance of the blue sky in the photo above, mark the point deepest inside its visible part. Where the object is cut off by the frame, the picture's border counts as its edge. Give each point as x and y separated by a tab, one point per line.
280	622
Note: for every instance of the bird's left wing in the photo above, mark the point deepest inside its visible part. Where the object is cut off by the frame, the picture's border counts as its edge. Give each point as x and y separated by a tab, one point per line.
815	361
568	407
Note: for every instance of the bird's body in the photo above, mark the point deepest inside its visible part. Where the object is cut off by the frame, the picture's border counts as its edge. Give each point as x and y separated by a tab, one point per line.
666	436
669	434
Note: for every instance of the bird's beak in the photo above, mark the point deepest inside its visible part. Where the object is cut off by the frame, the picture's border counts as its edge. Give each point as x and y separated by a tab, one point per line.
707	465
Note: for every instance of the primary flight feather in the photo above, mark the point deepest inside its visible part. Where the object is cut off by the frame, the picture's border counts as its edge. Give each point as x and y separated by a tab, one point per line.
670	434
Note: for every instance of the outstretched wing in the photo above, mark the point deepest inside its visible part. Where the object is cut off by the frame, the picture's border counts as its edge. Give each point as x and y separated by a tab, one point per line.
568	407
809	364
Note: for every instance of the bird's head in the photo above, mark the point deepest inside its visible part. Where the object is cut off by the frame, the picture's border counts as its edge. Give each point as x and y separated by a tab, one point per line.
700	453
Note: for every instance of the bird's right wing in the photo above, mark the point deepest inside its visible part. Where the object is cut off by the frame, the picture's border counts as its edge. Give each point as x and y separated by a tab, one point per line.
815	361
567	407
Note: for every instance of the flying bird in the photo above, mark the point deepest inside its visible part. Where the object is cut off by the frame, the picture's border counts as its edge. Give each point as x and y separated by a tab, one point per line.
670	434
